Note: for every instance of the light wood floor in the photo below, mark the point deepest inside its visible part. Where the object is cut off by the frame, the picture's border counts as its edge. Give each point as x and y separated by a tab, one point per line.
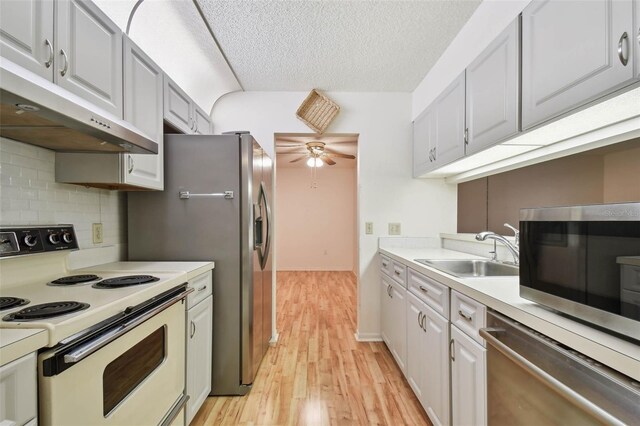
317	373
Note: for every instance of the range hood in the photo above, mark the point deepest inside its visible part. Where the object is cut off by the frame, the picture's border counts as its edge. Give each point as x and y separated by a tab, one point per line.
37	111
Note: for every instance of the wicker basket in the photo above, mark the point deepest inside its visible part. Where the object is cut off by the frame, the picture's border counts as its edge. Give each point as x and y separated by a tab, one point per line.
317	111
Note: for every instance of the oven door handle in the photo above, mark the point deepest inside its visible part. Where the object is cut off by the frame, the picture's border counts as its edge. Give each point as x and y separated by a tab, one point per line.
489	334
104	339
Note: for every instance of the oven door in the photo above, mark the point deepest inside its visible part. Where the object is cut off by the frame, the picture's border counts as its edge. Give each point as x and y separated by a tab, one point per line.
136	379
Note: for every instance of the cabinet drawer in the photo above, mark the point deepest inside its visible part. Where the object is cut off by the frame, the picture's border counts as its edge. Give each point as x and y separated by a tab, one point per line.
399	273
203	286
468	315
385	265
430	292
18	381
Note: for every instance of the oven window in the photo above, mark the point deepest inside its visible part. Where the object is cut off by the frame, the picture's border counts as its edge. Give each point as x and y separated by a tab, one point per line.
123	374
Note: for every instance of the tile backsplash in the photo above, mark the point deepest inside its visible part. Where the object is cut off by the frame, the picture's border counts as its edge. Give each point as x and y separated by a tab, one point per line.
29	195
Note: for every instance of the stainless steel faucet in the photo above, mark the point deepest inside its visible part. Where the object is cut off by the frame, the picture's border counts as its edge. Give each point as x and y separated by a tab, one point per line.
513	248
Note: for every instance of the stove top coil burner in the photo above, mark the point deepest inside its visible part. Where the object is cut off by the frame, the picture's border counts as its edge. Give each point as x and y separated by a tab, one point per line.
46	310
127	281
75	279
11	302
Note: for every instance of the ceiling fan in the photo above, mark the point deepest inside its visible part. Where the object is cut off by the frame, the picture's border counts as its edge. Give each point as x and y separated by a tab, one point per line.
312	150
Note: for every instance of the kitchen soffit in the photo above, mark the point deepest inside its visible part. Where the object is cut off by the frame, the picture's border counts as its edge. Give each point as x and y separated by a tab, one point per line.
334	45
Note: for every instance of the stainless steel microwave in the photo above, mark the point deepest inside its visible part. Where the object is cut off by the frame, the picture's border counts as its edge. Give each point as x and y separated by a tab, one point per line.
584	261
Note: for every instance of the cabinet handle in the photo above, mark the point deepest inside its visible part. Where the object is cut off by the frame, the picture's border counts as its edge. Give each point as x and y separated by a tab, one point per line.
623	58
130	161
390	292
397	273
424	289
193	329
202	288
64	69
465	316
466	136
452	350
384	264
420	315
424	323
435	153
50	46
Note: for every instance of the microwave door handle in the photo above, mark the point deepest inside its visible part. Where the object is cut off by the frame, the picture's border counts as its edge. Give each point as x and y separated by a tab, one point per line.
103	339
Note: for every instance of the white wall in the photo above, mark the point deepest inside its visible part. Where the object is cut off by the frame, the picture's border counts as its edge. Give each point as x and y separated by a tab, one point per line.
486	23
29	195
315	226
386	190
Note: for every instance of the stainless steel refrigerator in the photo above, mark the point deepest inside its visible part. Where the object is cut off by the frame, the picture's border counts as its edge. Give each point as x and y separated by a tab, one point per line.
216	206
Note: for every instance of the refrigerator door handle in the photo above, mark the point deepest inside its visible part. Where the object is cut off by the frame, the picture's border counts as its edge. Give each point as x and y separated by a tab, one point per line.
257	229
267	243
185	195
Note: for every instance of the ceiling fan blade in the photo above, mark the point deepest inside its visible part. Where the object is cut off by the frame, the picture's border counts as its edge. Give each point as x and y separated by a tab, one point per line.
338	155
341	142
328	161
293	153
298	159
290	140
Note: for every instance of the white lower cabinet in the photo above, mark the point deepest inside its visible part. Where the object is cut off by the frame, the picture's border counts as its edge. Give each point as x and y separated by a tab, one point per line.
19	397
394	320
428	359
468	380
199	346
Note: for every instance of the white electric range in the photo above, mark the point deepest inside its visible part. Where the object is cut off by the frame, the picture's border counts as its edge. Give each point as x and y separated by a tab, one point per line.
116	339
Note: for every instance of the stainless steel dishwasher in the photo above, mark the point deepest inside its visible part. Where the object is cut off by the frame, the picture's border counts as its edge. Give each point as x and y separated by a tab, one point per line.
533	380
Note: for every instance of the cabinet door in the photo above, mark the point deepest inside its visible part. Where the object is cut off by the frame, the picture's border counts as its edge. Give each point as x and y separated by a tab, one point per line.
635	37
89	54
468	380
436	367
398	321
199	347
570	54
492	92
385	308
202	121
177	107
424	131
415	347
143	108
450	123
19	396
26	35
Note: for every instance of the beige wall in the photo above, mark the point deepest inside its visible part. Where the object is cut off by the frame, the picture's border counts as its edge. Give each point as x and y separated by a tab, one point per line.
316	226
601	176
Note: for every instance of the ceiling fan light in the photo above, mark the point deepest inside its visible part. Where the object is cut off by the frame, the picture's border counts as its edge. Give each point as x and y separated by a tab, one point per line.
312	161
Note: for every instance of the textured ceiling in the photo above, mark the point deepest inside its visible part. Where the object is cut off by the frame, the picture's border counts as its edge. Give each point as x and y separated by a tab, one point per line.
334	45
344	143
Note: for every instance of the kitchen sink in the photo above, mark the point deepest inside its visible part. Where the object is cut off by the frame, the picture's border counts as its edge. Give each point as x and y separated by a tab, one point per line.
471	267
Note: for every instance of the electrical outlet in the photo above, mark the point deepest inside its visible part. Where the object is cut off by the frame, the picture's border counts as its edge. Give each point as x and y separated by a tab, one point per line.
97	233
394	229
368	227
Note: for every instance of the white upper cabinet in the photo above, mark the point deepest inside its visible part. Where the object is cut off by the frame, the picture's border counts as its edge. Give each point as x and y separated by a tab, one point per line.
492	93
26	35
143	81
573	52
450	123
202	122
181	112
438	133
89	54
424	131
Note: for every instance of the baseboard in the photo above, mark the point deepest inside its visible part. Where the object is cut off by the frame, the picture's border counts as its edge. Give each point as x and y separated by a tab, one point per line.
274	339
368	337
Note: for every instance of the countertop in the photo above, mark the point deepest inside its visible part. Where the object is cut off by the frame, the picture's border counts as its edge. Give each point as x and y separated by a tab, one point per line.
502	295
192	269
15	343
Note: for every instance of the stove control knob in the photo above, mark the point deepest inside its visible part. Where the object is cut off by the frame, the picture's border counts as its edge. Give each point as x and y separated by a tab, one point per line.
30	240
67	237
54	238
